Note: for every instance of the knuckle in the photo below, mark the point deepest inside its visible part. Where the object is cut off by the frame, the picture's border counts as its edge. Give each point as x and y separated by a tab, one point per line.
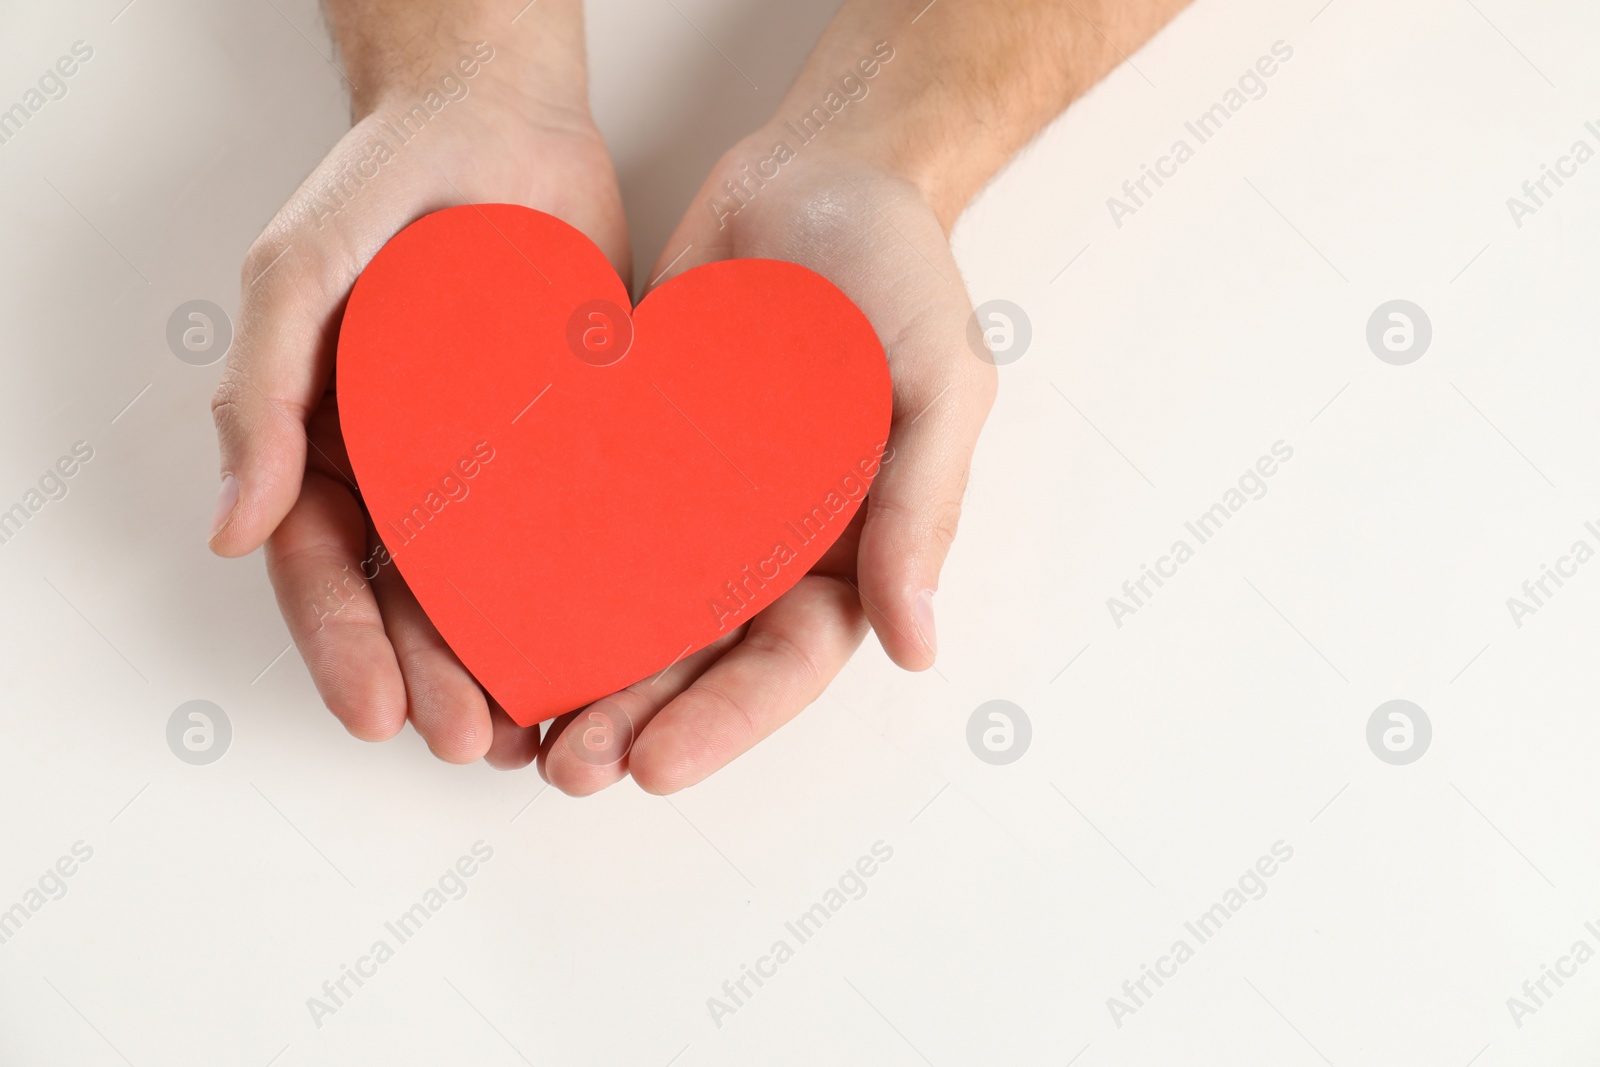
723	707
941	524
788	651
227	402
429	699
938	519
262	254
288	260
240	410
328	613
984	383
269	252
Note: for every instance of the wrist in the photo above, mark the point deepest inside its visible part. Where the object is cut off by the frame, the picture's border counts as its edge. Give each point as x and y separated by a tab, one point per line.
865	105
401	54
944	95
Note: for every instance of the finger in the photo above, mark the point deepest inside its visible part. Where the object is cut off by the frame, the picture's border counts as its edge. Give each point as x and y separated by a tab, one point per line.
839	561
277	370
587	750
790	653
880	244
446	705
293	285
314	561
942	395
514	746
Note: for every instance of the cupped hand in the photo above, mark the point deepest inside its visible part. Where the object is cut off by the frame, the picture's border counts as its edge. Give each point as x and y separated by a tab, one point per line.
374	656
874	235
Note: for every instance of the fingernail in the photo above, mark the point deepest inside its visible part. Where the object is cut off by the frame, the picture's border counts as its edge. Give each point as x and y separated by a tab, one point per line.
226	499
922	613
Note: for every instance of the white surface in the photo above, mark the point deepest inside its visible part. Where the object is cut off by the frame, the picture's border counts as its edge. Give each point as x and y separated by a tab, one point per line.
1194	737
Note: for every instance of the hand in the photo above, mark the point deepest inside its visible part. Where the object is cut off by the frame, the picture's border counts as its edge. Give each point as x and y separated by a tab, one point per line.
517	130
903	112
872	233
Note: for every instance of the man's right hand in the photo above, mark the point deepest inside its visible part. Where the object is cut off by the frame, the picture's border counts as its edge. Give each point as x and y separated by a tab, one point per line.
453	108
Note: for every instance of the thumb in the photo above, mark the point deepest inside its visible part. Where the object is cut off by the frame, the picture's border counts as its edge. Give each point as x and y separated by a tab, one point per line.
294	283
277	370
943	392
940	403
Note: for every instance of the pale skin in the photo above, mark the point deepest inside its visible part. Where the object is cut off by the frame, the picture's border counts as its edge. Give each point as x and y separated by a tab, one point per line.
868	204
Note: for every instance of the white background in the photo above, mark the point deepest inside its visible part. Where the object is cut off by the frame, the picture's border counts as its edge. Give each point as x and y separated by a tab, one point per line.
1227	715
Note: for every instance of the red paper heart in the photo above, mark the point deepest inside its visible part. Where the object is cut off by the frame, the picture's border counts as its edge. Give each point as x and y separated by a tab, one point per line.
580	497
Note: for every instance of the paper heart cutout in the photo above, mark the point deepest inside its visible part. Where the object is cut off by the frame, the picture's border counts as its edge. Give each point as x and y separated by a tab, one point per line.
578	496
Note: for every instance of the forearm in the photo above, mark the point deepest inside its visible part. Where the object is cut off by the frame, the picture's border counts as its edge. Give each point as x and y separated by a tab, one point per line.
969	82
401	48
